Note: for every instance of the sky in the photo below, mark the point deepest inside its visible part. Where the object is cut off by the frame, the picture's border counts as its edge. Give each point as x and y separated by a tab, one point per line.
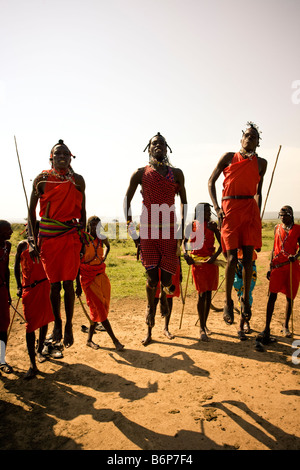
106	76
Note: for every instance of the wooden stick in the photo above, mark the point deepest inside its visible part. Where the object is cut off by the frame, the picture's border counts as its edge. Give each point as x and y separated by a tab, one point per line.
292	302
187	281
84	310
270	182
11	323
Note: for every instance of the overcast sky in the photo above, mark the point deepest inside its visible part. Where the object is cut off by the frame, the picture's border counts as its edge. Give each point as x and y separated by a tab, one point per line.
105	76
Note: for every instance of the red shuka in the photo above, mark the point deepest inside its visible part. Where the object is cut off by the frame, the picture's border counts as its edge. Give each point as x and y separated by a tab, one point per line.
285	244
36	299
206	276
61	255
241	225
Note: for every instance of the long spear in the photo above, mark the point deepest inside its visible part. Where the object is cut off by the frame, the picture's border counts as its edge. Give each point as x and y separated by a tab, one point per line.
27	205
270	182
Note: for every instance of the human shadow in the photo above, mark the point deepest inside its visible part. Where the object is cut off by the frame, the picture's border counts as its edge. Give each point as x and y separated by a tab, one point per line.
30	429
279	351
166	365
146	439
273	437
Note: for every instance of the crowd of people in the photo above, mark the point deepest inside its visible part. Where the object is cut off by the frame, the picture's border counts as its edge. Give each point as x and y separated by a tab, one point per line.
62	246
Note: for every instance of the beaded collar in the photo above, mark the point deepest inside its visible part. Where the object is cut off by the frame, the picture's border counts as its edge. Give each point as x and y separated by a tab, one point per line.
248	155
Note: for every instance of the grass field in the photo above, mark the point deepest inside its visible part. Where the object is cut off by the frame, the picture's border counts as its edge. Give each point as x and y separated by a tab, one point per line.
127	275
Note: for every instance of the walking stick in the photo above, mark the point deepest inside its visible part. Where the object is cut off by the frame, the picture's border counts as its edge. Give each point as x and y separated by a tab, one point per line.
187	281
270	182
292	302
84	310
10	326
16	311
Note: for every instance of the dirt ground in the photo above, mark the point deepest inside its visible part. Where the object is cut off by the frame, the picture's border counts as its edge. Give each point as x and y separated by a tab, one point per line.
175	394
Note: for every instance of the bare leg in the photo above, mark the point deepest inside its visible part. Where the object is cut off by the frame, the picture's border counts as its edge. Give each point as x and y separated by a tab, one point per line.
151	286
89	341
55	303
288	311
69	309
247	278
167	319
228	314
42	337
201	314
115	340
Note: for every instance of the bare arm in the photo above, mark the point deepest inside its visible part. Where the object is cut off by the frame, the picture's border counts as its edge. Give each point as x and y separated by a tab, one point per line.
179	176
135	180
80	184
107	248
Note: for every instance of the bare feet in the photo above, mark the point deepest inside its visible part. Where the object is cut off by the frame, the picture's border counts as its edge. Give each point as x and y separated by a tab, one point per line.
40	357
118	345
168	334
92	345
31	373
57	332
68	338
203	336
147	340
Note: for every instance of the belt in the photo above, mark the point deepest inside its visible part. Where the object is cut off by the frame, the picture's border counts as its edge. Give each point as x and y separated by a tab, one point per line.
35	283
237	197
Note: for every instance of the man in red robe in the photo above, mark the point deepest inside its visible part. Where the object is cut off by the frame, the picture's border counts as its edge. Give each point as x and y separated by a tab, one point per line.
239	214
159	239
61	194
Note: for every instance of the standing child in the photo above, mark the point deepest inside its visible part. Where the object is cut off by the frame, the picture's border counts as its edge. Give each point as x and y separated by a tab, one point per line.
95	283
284	269
202	259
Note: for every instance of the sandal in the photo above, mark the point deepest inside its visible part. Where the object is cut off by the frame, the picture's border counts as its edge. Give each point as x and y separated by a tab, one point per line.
6	368
242	336
245	310
228	314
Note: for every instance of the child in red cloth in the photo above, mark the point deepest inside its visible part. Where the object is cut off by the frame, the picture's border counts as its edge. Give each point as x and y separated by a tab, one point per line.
284	269
201	235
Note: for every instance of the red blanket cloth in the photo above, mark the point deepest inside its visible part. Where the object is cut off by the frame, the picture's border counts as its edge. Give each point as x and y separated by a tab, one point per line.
36	300
285	244
95	282
61	255
241	225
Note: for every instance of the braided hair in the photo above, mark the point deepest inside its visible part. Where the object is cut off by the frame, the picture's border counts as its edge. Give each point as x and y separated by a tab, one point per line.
60	142
165	160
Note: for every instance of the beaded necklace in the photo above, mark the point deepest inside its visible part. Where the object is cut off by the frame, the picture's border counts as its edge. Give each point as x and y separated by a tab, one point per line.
248	155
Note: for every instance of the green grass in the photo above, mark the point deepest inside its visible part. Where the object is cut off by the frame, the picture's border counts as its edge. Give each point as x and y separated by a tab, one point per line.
126	274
